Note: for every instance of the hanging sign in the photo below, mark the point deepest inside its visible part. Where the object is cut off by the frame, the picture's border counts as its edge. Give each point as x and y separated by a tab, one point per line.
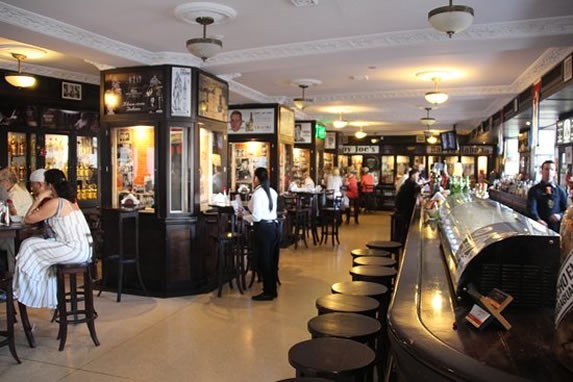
360	149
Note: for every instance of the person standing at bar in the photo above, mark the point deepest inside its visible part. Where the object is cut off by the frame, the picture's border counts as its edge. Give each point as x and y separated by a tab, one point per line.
351	184
263	207
405	204
546	201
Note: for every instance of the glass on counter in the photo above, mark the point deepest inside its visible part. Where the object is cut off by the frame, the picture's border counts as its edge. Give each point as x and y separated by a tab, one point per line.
133	164
212	177
245	158
57	151
86	168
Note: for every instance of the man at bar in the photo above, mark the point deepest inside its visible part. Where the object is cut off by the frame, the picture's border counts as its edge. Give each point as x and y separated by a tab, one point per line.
405	204
546	201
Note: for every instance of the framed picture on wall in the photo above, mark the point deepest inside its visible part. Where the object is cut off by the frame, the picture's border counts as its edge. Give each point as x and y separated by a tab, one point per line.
330	142
213	98
181	92
303	132
72	91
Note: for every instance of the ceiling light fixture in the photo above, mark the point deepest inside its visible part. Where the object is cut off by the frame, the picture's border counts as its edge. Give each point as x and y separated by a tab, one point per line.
432	140
451	18
427	120
20	80
339	123
204	47
302	102
360	134
436	97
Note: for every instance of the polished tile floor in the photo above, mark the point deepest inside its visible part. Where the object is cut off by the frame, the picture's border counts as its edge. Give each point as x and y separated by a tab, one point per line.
195	338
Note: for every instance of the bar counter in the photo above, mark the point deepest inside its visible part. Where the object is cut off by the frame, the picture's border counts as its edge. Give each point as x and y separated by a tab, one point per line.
515	202
431	340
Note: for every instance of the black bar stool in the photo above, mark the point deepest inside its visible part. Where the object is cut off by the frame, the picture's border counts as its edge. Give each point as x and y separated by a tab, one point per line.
387	245
373	260
121	257
86	315
374	273
338	359
370	252
339	303
331	219
8	334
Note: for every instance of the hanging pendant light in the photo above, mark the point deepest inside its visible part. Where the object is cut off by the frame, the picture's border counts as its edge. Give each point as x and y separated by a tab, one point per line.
339	123
302	102
436	97
451	18
427	120
204	47
360	134
19	79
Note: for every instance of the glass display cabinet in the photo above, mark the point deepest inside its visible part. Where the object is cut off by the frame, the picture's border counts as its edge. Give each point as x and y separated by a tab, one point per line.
387	169
491	246
301	163
165	153
245	158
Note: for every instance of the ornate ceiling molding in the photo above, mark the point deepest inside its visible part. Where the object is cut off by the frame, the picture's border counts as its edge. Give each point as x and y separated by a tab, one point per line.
46	71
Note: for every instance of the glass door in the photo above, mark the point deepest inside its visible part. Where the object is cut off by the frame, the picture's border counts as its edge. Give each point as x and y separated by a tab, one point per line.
212	177
86	168
17	156
178	170
468	164
387	169
402	165
57	152
133	164
285	167
301	163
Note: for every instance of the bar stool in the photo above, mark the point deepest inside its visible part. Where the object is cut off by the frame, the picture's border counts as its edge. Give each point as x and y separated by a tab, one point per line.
87	314
351	326
8	334
339	303
372	260
382	275
370	252
331	219
305	379
338	359
121	217
387	245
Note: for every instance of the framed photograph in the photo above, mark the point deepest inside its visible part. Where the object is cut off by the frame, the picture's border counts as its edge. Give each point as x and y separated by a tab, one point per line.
71	90
330	142
181	92
213	98
251	121
303	132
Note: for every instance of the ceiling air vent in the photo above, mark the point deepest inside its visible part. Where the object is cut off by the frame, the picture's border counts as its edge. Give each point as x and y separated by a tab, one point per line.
304	3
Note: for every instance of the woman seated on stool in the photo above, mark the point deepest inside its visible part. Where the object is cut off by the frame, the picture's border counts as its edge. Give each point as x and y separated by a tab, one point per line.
35	283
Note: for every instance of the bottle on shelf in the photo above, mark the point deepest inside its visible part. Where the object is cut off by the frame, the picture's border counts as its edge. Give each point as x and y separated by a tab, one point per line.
21	146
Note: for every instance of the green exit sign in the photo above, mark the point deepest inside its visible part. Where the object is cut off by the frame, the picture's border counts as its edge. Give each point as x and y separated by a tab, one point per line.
320	132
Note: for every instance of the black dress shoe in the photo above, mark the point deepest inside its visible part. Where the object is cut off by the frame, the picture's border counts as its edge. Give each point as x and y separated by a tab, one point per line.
263	297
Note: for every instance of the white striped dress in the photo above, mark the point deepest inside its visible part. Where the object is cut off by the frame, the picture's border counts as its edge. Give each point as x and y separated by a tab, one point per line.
34	277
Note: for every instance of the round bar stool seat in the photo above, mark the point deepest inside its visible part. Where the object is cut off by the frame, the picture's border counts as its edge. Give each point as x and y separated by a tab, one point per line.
305	379
377	274
372	260
334	358
360	288
352	326
340	303
370	252
387	245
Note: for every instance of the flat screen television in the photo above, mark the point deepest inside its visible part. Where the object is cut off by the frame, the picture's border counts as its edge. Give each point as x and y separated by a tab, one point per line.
449	140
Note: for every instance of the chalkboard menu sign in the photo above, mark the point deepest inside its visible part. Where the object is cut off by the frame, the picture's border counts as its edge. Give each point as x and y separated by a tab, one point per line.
134	92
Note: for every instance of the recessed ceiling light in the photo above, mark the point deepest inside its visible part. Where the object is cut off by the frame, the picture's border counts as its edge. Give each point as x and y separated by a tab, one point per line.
359	77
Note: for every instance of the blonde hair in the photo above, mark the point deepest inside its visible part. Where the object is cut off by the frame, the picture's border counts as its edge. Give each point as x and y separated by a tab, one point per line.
335	171
9	175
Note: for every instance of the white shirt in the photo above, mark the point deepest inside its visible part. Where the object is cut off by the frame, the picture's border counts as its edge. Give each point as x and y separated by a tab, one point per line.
259	205
334	182
21	199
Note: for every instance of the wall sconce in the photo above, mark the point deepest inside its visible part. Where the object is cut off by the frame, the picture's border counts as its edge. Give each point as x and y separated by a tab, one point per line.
111	100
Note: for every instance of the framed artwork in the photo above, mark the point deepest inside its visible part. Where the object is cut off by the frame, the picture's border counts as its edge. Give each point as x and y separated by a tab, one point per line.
212	97
251	121
72	91
137	91
330	142
181	92
303	132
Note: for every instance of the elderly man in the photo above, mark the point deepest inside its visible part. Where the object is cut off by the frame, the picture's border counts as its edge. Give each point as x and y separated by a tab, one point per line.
37	181
19	201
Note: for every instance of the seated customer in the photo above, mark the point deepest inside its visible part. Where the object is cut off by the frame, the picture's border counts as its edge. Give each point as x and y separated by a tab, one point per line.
34	280
19	201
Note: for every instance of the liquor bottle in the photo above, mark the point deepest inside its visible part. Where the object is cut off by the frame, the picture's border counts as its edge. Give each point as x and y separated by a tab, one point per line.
21	146
13	145
250	125
563	339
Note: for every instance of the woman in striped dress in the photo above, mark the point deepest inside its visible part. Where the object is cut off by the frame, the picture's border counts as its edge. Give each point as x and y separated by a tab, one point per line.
34	277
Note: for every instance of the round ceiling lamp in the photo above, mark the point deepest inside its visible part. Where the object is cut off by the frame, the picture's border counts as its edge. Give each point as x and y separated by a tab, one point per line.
451	18
204	47
436	97
427	120
304	83
432	140
19	79
360	134
339	123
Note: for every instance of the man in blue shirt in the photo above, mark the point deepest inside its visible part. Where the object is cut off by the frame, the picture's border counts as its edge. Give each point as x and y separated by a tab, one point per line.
546	201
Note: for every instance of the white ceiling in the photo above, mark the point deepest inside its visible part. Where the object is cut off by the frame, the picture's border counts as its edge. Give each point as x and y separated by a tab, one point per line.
272	42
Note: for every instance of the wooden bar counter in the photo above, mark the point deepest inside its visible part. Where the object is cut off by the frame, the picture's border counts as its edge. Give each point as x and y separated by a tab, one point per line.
431	340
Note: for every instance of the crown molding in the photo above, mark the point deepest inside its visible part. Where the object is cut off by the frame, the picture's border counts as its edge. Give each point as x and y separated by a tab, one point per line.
41	70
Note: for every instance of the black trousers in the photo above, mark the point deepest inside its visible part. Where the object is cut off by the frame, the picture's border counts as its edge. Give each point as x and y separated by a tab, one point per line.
267	240
355	205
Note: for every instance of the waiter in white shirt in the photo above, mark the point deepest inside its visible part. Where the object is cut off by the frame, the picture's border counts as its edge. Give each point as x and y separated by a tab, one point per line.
263	206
